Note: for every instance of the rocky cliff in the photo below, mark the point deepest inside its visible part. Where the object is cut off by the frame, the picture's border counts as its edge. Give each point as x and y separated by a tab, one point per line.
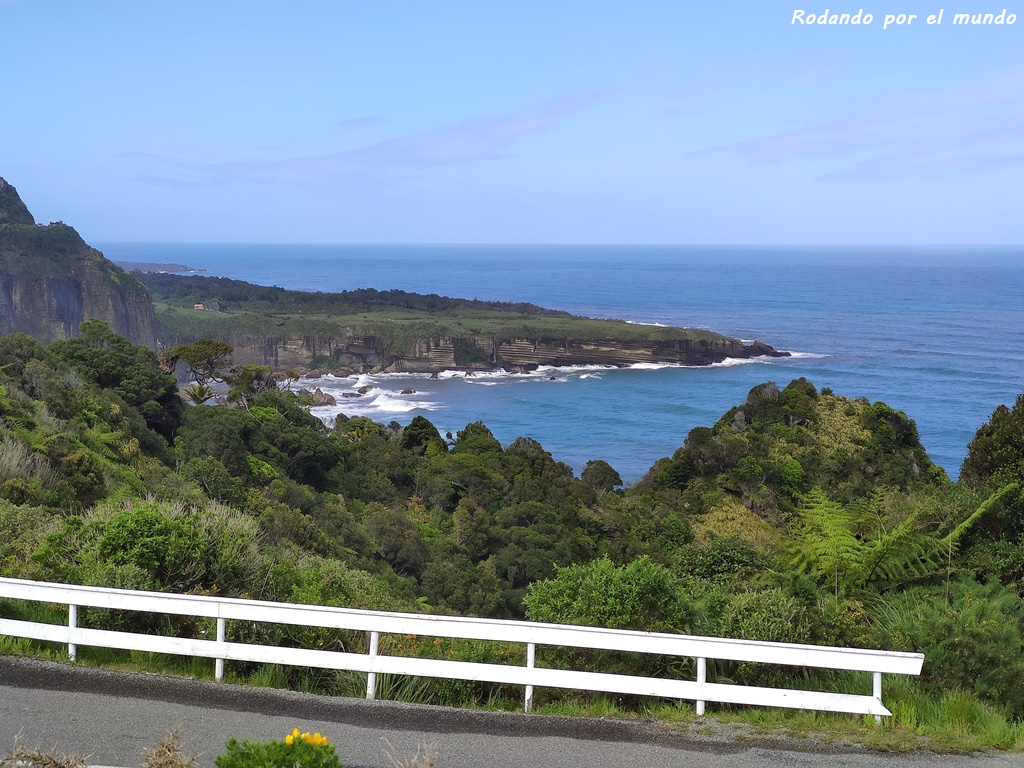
361	330
360	354
51	280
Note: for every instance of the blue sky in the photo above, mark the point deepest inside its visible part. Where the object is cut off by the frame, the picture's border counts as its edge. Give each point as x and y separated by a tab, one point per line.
480	121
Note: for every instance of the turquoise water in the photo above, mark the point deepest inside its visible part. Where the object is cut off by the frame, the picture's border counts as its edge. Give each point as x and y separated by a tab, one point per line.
937	333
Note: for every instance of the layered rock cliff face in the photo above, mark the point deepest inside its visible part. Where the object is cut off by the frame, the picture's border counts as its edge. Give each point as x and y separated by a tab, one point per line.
51	280
362	354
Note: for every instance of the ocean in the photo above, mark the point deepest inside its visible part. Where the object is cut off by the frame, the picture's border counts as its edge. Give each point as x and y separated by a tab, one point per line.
935	332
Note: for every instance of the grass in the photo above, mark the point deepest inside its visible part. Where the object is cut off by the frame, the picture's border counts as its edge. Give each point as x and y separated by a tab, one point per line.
426	756
187	322
953	722
37	758
168	754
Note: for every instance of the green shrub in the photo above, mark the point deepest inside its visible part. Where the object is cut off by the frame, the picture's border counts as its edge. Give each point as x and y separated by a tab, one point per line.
768	615
642	595
21	530
177	548
721	559
305	750
971	639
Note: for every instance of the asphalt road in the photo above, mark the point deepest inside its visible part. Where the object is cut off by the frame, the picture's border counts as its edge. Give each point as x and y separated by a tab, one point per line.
113	716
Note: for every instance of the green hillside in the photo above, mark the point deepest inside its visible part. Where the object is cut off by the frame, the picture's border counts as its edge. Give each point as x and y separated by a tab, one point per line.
800	516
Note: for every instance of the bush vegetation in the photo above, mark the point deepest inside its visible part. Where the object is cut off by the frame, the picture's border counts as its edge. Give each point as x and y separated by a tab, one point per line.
305	749
800	516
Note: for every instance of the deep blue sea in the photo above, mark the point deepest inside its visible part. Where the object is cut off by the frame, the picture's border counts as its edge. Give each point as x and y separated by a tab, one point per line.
935	332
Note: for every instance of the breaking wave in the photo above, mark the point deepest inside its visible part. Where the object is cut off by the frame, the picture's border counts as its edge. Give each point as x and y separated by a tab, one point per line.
806	355
376	402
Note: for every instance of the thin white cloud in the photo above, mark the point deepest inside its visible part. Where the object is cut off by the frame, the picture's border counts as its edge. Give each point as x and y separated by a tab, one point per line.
970	126
472	141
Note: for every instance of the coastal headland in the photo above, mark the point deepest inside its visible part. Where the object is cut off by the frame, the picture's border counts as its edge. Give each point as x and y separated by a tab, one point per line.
51	280
369	331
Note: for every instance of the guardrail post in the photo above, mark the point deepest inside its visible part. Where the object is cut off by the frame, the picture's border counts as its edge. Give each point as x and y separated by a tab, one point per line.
531	661
702	677
876	690
371	677
72	623
221	637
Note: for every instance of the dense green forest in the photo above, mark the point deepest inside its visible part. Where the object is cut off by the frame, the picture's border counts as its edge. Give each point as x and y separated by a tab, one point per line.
800	516
240	295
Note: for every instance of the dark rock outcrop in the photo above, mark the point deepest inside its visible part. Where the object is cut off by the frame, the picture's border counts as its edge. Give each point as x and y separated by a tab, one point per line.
323	398
51	280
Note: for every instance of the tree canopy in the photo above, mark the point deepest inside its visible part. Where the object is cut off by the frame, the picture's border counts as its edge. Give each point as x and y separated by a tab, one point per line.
206	359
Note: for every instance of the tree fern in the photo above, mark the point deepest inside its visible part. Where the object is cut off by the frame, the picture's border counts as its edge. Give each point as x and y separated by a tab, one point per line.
853	546
899	554
827	545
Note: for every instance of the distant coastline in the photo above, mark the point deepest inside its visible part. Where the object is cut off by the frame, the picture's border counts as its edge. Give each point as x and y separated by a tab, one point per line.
371	331
147	267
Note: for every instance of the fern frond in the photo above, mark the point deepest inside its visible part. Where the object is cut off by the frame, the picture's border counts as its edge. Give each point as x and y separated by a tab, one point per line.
826	545
901	553
952	540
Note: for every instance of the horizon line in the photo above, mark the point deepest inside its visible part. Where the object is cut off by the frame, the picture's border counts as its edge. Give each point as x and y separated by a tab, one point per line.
356	244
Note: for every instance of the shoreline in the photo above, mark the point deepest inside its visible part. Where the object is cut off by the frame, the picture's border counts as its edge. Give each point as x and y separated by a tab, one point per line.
538	371
530	370
384	394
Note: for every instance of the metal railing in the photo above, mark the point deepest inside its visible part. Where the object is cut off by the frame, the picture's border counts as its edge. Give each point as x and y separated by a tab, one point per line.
531	634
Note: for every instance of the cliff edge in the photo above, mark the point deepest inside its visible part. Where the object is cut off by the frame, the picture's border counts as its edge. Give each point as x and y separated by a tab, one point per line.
353	354
51	280
365	330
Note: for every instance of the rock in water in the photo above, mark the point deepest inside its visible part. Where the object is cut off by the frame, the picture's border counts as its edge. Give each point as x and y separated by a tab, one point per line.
322	398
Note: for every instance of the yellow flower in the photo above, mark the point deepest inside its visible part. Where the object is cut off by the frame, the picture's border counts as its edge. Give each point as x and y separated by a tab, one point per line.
316	739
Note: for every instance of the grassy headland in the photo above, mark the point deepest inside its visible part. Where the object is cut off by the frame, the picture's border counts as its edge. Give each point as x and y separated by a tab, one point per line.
367	330
247	308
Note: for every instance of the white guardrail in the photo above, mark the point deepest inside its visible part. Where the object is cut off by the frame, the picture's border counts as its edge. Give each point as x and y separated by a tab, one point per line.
531	634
